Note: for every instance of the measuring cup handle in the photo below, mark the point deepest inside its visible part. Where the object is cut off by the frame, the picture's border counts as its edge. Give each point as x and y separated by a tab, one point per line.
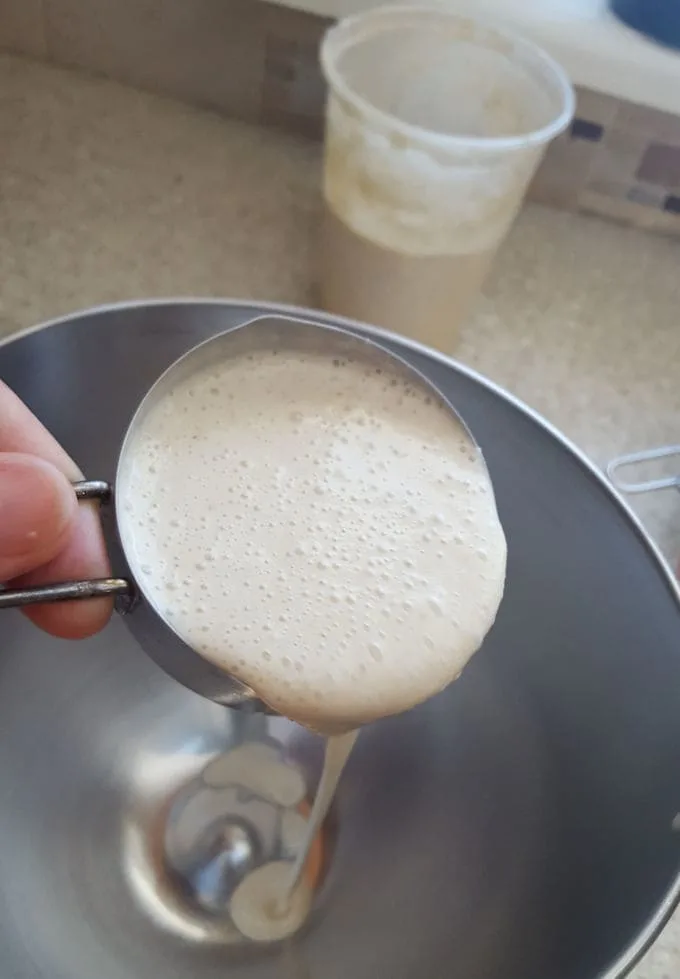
65	591
69	591
93	489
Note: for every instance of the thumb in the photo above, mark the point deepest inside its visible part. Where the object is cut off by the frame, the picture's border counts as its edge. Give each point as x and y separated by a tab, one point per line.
37	513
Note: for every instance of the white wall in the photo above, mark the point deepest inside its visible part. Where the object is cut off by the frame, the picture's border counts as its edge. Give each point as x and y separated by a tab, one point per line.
593	46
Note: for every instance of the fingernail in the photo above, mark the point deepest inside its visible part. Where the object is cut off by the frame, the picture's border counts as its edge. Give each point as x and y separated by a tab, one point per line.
37	506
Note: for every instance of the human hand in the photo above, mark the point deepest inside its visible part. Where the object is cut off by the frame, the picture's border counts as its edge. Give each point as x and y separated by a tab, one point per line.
45	534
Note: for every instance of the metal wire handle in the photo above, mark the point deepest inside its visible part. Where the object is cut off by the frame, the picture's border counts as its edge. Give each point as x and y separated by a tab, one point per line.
665	482
69	591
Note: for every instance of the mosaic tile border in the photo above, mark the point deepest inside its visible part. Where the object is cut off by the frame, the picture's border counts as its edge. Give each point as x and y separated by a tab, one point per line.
258	61
617	159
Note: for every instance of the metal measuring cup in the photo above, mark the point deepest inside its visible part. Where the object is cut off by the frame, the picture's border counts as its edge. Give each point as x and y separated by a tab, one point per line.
150	627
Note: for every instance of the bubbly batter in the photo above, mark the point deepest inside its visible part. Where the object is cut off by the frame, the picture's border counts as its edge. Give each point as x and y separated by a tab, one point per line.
326	533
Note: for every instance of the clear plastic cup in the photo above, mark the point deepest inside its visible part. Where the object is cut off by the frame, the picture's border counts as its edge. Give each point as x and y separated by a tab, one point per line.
435	124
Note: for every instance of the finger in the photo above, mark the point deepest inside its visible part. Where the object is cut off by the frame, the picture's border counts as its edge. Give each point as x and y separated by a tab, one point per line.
20	431
84	554
38	510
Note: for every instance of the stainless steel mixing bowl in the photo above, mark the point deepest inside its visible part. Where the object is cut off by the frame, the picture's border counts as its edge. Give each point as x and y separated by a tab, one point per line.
521	825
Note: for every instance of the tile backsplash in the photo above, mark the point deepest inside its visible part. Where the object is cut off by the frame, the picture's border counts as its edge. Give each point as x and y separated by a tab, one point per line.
617	159
258	61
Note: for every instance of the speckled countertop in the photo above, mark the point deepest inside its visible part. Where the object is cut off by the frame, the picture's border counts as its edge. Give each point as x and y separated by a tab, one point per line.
110	194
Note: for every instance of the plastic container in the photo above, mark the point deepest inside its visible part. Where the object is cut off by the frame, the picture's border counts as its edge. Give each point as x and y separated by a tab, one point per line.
435	125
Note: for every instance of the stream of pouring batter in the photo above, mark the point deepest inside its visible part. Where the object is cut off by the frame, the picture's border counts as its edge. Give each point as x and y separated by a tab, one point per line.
338	748
272	902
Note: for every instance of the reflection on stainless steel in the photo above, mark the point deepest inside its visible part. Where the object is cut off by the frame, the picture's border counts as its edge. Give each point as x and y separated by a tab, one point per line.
218	830
517	826
184	845
228	854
